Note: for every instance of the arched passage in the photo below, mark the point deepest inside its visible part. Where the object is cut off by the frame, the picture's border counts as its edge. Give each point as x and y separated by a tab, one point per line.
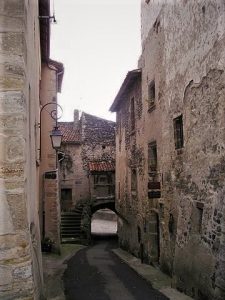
76	224
104	223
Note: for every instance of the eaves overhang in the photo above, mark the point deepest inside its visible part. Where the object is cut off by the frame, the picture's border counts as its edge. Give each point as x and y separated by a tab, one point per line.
128	82
59	68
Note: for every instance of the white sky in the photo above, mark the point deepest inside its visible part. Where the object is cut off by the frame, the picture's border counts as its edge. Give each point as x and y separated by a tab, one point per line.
98	42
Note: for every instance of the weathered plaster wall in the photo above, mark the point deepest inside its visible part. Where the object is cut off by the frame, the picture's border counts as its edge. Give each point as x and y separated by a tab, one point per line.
49	194
73	175
128	156
20	262
184	52
191	82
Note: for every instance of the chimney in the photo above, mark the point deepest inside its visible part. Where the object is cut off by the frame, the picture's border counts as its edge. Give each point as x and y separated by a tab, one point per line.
76	118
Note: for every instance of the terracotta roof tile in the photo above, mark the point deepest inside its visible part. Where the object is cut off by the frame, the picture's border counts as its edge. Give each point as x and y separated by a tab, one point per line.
99	166
70	135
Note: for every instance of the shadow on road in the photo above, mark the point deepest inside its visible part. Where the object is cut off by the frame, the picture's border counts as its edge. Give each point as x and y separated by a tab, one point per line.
110	239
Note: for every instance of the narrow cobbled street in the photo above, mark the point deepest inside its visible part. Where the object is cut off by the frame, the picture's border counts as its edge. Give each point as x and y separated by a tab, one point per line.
96	273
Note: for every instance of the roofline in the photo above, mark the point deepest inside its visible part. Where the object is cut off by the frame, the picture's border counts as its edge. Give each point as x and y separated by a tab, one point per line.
72	142
59	68
128	81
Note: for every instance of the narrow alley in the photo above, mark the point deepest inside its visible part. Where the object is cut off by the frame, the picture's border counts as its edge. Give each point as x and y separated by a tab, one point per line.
112	157
97	273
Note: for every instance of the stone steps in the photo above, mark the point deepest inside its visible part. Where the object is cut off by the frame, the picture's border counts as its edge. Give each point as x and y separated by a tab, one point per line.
70	226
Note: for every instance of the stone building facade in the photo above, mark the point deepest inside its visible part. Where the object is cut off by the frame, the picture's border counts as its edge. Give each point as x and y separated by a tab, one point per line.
24	48
49	208
89	147
170	145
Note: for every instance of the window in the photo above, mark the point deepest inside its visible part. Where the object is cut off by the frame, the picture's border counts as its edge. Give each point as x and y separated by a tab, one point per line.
152	157
178	132
151	96
132	114
100	179
133	180
200	207
154	186
66	194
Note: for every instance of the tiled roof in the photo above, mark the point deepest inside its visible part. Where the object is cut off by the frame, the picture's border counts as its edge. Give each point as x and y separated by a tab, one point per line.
70	135
97	130
99	166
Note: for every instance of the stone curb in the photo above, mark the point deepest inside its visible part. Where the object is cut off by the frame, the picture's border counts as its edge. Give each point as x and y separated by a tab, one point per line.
158	280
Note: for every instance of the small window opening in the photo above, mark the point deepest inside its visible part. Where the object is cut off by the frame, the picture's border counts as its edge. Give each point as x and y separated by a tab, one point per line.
178	132
152	157
133	180
199	219
132	114
151	95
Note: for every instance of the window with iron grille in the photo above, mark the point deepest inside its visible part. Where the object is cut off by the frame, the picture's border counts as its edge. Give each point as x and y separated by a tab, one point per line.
152	157
178	132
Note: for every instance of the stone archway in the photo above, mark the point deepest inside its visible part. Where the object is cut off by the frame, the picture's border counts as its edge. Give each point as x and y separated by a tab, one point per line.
76	224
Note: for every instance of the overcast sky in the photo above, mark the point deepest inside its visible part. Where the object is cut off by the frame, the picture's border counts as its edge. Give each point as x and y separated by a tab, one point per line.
98	42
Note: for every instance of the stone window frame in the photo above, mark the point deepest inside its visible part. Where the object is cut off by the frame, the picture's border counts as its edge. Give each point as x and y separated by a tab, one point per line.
178	132
151	96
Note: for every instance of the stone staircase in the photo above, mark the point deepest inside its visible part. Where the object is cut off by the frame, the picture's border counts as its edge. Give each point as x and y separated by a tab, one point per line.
71	225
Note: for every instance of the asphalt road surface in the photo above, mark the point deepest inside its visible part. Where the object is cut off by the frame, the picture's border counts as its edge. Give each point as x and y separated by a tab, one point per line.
96	273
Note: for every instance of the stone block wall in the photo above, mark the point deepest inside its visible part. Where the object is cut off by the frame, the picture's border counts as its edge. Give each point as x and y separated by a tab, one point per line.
183	52
52	210
20	257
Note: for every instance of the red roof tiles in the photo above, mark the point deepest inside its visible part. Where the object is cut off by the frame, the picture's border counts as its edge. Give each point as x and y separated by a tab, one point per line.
99	166
70	135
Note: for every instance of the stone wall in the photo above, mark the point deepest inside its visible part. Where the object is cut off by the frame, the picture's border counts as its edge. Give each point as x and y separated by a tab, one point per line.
183	52
95	143
129	156
20	261
49	192
73	175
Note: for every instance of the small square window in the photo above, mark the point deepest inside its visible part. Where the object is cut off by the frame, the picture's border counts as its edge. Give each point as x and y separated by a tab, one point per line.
178	132
151	96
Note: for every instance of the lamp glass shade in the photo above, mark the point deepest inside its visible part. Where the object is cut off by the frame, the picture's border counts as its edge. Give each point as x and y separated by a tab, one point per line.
56	138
